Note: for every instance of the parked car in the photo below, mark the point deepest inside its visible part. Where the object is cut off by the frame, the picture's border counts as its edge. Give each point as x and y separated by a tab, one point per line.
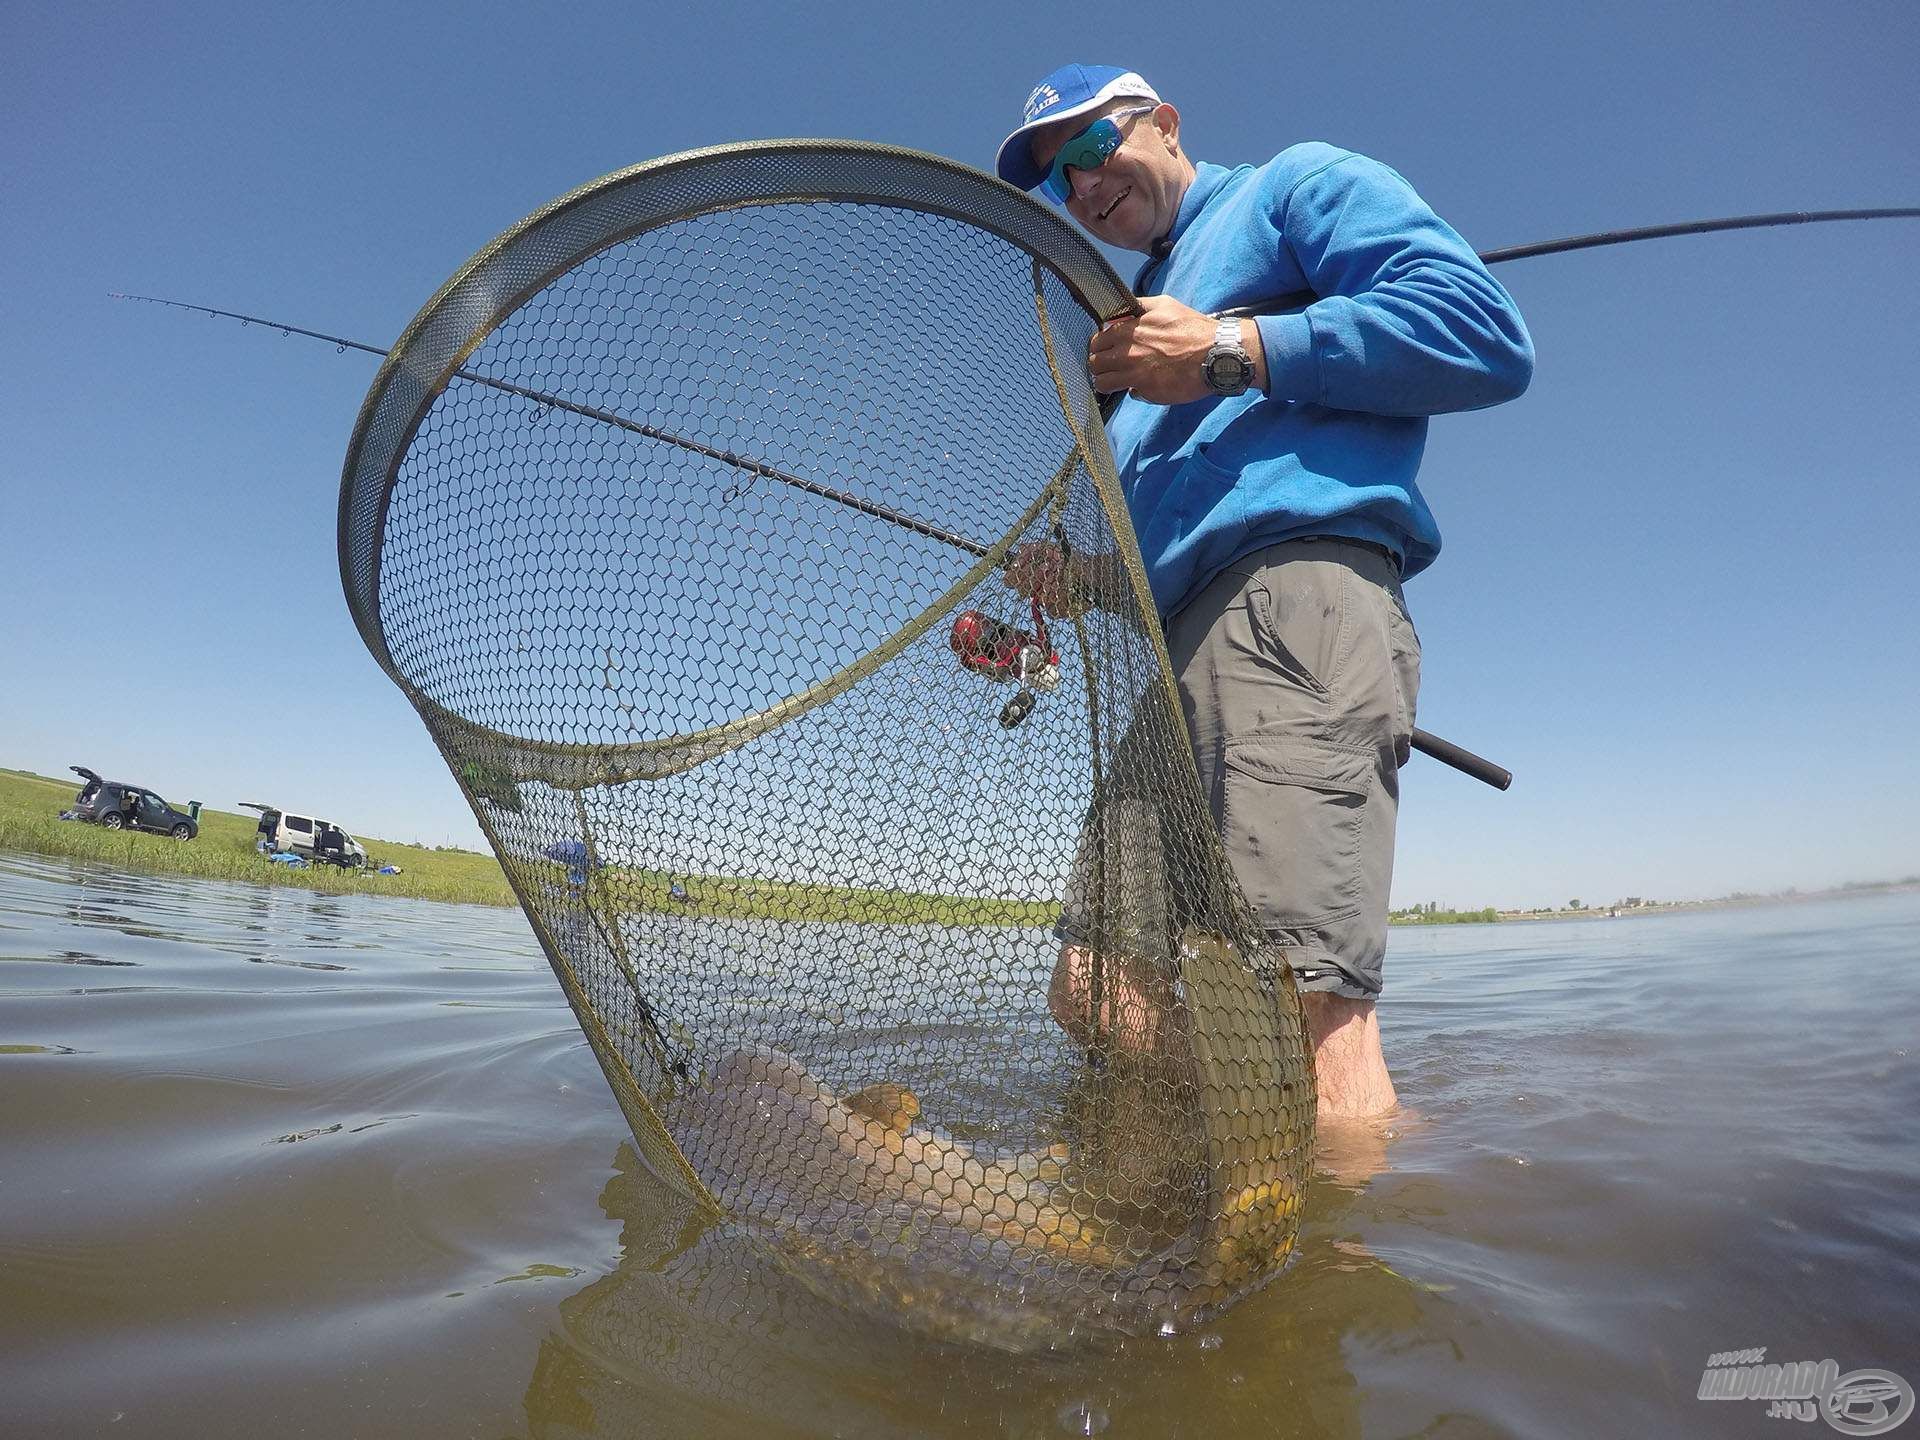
120	806
321	841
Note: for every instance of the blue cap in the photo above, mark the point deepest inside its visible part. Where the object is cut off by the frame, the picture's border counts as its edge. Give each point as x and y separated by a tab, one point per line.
1070	90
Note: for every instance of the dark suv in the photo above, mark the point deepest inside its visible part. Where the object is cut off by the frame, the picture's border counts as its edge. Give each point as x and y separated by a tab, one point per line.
120	806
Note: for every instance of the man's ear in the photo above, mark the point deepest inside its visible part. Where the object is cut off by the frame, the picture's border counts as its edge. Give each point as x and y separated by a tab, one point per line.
1166	120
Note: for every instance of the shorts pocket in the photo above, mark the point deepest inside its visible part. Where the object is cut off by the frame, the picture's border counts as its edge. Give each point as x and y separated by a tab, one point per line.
1293	818
1301	612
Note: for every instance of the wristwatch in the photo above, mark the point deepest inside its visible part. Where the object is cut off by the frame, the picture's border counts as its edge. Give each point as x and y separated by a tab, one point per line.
1228	367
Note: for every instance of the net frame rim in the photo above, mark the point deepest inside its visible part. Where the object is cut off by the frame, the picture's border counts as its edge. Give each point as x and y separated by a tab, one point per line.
446	330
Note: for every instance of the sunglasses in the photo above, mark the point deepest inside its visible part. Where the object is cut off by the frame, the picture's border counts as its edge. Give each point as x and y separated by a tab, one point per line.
1089	149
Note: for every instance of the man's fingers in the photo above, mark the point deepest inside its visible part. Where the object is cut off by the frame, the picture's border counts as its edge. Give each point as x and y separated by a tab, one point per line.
1035	567
1112	373
1114	335
1110	348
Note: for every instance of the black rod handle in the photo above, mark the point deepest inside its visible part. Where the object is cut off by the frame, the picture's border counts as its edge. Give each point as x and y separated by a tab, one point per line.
1465	761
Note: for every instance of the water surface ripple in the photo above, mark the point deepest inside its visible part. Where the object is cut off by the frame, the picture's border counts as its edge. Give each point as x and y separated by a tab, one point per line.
292	1164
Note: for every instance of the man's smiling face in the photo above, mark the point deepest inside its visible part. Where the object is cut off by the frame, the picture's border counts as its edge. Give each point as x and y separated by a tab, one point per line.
1132	200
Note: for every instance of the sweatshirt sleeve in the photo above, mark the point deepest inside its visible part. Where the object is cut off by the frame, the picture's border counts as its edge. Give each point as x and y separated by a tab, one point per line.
1409	321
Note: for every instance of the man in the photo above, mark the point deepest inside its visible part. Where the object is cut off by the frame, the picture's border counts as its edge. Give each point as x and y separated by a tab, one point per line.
1269	465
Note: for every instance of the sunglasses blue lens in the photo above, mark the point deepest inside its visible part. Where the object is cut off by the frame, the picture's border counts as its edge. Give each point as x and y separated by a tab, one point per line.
1088	150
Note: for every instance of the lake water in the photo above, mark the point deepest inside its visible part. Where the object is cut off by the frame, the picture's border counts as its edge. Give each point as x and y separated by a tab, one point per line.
274	1163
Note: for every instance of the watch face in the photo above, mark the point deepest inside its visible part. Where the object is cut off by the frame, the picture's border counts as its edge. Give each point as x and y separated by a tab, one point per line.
1228	373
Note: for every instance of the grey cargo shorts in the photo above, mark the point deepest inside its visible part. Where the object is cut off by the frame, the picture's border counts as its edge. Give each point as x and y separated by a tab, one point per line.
1299	670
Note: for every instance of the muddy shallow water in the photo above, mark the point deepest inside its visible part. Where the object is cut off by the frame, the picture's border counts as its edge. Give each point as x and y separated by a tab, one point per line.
283	1164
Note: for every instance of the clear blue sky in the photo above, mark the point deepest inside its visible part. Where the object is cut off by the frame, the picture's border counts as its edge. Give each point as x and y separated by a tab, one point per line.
1674	596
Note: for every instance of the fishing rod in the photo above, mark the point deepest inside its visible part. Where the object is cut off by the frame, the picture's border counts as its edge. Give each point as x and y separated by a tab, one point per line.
608	417
1619	237
1428	744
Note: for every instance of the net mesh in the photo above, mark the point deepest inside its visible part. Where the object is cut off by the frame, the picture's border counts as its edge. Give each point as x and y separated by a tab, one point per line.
887	899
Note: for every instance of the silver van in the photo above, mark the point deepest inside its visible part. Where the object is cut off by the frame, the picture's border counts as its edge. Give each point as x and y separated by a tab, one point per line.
310	836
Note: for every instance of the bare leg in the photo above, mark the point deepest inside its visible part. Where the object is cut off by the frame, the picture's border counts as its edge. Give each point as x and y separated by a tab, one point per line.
1347	1063
1344	1033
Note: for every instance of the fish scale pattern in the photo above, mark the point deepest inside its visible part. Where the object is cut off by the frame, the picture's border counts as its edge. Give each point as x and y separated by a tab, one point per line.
693	515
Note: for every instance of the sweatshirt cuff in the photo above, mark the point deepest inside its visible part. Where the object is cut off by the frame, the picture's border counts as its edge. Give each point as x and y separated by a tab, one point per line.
1292	372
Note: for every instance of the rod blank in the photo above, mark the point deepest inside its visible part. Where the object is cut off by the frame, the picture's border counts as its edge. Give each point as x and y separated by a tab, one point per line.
1602	238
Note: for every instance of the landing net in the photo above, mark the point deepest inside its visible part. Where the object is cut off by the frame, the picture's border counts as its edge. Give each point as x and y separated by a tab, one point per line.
888	902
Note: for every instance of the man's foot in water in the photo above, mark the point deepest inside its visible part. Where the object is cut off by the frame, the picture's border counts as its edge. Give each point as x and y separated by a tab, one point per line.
1347	1064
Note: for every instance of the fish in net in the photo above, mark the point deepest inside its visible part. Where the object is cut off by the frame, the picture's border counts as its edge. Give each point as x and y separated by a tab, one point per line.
886	898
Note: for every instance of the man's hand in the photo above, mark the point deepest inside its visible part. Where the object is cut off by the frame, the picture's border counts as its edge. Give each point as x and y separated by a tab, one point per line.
1038	568
1158	353
1134	1005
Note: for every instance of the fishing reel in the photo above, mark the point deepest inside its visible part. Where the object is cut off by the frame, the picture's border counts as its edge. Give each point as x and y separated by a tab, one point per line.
1004	653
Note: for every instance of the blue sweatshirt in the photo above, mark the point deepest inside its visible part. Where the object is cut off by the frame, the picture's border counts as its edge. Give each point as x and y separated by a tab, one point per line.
1409	324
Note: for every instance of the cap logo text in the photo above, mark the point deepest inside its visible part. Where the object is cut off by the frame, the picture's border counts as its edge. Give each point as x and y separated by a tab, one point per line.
1042	98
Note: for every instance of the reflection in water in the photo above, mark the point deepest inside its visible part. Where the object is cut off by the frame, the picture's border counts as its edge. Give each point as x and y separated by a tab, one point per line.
700	1331
295	964
165	909
1350	1152
71	957
100	917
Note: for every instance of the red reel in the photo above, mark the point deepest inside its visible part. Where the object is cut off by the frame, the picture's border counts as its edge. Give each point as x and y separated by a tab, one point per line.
987	646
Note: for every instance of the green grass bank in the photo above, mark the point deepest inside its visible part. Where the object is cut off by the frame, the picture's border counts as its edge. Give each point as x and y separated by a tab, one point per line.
30	806
1434	915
